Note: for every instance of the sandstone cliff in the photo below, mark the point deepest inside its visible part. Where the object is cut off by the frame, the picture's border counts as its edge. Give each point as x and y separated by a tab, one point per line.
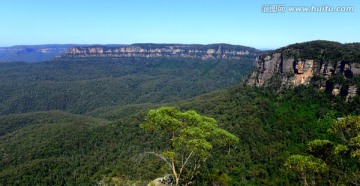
164	50
331	66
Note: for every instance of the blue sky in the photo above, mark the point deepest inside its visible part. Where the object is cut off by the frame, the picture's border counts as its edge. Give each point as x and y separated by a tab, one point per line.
173	21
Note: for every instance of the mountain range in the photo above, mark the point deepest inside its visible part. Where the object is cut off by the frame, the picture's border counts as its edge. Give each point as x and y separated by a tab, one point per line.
74	118
37	53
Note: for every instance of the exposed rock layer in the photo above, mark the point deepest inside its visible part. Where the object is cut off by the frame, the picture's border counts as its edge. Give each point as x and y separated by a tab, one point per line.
297	72
294	68
164	50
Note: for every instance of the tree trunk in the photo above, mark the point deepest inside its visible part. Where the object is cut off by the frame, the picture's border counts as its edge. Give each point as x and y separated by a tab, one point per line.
177	178
176	181
304	179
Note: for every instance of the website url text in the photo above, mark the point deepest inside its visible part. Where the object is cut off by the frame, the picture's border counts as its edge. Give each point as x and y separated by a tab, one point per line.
281	8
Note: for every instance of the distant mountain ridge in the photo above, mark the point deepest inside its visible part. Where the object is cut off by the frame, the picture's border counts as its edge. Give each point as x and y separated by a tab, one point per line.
32	53
149	50
38	53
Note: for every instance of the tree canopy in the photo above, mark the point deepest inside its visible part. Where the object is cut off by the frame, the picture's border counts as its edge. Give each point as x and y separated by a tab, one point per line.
340	158
190	139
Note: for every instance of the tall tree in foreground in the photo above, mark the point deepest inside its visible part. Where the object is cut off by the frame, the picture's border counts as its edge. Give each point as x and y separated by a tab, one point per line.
189	140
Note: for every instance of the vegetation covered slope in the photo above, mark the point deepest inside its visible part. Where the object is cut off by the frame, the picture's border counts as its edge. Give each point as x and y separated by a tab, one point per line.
82	85
324	50
270	127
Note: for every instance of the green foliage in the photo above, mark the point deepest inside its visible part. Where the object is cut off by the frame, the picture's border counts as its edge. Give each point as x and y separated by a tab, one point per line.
300	163
323	51
11	123
305	166
346	128
340	150
219	178
342	159
189	139
270	127
77	151
58	148
82	85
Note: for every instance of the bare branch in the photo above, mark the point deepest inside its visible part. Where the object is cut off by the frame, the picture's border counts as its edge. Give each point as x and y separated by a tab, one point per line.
183	165
161	157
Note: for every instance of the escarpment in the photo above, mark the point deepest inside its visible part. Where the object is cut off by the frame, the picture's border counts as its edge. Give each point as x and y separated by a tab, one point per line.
331	66
213	51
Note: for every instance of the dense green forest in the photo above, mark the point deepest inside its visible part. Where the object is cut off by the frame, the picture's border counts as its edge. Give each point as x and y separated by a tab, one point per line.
82	85
323	51
87	122
48	150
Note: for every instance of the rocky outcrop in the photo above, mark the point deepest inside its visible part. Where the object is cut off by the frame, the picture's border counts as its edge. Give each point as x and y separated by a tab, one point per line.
163	50
297	72
292	67
167	180
291	71
352	92
156	182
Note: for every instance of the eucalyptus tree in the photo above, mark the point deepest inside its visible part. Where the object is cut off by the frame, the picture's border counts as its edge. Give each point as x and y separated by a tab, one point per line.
190	139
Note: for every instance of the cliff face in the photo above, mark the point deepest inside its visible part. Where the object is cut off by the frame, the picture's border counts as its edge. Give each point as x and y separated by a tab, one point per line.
164	50
293	72
306	63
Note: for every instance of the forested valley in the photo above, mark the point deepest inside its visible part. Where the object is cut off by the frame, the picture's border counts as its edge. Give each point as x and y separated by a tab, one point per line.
81	122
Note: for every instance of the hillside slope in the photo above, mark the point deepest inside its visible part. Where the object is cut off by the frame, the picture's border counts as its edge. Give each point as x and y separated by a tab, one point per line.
79	85
270	128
